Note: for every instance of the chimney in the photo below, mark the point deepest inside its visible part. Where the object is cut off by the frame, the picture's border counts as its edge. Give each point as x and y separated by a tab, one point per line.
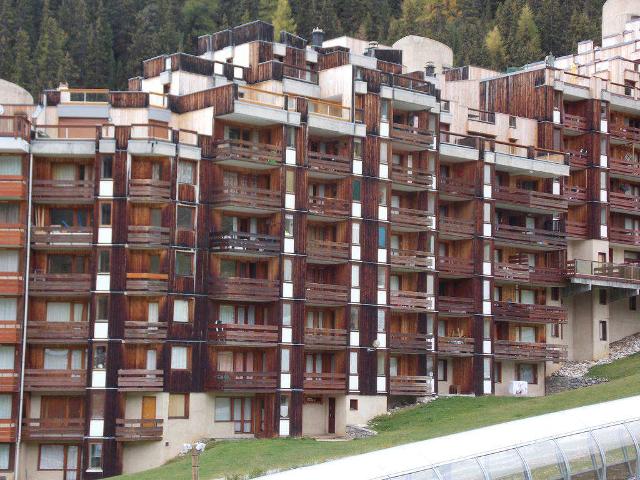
317	37
430	69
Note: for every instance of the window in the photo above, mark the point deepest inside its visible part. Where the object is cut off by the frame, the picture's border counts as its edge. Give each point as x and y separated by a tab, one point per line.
107	167
556	330
105	214
287	267
284	406
51	457
382	236
156	217
353	404
9	214
184	264
288	226
286	314
181	311
355	233
179	358
442	370
355	190
486	329
384	110
381	364
291	137
382	197
95	456
6	401
9	260
242	415
178	405
8	309
7	357
555	294
633	303
185	172
353	363
290	181
222	409
100	357
185	217
353	321
381	321
357	148
284	360
63	359
102	308
528	373
11	166
355	276
603	330
497	372
382	278
602	296
5	448
104	261
154	263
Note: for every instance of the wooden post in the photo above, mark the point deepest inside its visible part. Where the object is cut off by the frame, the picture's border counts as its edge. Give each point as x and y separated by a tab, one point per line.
195	464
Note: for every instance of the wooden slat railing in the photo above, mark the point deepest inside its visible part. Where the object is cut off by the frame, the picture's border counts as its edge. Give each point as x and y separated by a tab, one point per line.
139	429
327	337
324	381
241	151
244	196
455	265
410	341
148	235
413	135
53	428
146	189
328	163
327	250
241	381
456	345
40	379
58	235
411	259
140	380
407	300
243	242
326	294
510	311
42	332
530	351
456	305
329	207
60	283
239	288
242	334
410	385
76	191
411	218
145	331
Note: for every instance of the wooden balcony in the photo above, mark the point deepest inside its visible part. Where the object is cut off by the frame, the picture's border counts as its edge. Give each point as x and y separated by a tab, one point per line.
529	199
520	312
52	332
147	190
140	380
413	136
324	382
138	430
10	331
623	166
324	251
516	272
578	158
457	227
625	132
415	301
146	235
62	237
325	338
542	352
63	191
9	381
247	154
621	202
411	342
53	428
456	305
419	386
455	266
59	284
244	289
145	332
456	187
243	198
411	178
575	123
327	164
12	235
576	194
626	236
603	272
241	381
456	346
547	275
15	126
411	220
576	229
40	379
12	187
144	283
326	294
329	207
243	335
7	431
246	244
11	284
530	236
411	260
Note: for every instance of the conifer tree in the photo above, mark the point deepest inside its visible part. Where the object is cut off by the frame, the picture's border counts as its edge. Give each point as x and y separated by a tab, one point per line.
22	60
267	9
72	18
6	39
527	40
283	19
100	62
495	49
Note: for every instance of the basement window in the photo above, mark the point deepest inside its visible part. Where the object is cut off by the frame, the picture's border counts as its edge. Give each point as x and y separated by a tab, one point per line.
353	404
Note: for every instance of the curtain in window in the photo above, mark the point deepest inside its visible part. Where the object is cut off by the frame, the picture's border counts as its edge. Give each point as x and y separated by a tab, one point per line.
72	462
76	360
152	316
10	165
151	360
4	456
222	409
225	362
55	359
226	313
63	171
58	311
8	309
9	261
185	172
39	214
393	367
77	312
237	414
7	357
177	404
9	213
179	358
180	311
5	406
51	457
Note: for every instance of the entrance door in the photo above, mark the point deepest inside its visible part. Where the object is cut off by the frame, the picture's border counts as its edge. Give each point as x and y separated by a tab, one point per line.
148	411
332	415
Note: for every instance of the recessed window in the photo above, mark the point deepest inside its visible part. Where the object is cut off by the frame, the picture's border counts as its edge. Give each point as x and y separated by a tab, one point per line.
284	406
356	194
603	330
179	358
186	172
178	405
181	311
105	214
95	456
5	450
602	296
442	370
382	236
104	261
185	217
527	372
353	404
184	264
107	168
555	294
100	357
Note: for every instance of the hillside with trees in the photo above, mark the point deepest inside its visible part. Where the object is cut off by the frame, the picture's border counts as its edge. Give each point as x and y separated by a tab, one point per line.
101	43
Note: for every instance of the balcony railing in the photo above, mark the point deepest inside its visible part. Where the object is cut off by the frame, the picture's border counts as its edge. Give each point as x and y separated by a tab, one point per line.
10	331
456	305
58	236
261	97
624	165
576	193
518	272
457	187
576	229
604	271
328	163
578	158
147	282
242	334
530	351
148	235
145	331
233	152
327	251
411	259
324	382
60	283
151	132
457	226
407	300
135	430
623	201
140	380
625	132
329	109
413	135
456	345
527	236
545	275
242	381
15	127
9	381
12	235
63	191
530	198
628	236
244	243
148	190
325	337
246	197
326	294
455	266
12	187
53	428
419	386
411	219
575	122
329	207
244	289
67	132
410	341
412	177
521	312
408	82
43	332
40	379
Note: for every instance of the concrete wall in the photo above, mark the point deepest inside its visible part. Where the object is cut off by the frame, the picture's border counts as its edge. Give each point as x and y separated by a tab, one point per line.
509	375
368	408
417	51
315	416
615	13
12	93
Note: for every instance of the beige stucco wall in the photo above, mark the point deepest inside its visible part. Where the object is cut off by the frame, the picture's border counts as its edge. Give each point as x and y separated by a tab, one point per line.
615	13
315	416
12	93
369	406
335	84
509	375
622	321
29	465
417	51
443	387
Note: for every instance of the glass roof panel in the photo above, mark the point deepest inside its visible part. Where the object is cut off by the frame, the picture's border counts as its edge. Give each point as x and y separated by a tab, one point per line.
466	469
583	456
619	451
544	461
505	465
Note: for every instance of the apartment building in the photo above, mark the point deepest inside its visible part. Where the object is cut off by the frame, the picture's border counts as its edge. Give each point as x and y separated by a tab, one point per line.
282	238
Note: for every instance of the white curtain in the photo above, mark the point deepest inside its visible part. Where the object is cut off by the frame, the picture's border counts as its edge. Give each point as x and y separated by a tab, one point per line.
151	360
4	456
58	311
55	359
76	360
9	213
185	172
222	409
7	357
251	315
179	358
10	165
181	311
8	309
225	361
226	313
9	261
152	315
528	334
527	297
63	171
51	457
393	366
5	406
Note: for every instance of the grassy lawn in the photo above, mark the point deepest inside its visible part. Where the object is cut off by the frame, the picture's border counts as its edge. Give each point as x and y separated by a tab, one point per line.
441	417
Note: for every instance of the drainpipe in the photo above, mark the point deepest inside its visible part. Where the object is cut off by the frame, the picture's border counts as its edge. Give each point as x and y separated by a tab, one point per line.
27	269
